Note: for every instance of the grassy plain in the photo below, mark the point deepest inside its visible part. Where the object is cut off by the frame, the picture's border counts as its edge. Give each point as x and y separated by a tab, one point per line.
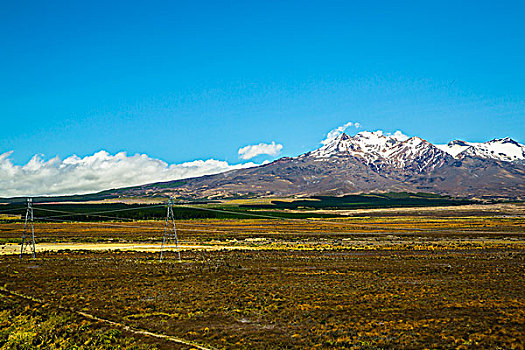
364	282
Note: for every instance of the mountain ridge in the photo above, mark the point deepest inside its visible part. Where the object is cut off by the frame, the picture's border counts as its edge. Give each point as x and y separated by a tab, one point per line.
369	162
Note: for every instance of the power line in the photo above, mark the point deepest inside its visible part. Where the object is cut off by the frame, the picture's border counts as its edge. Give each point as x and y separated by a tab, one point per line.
184	206
97	212
179	223
308	221
130	226
240	213
12	209
96	223
81	214
106	224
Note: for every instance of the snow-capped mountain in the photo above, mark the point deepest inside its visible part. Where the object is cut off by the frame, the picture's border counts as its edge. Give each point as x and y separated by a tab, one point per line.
367	162
399	150
505	150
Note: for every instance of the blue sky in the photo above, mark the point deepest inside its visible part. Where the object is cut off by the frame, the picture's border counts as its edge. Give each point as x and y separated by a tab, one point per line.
186	80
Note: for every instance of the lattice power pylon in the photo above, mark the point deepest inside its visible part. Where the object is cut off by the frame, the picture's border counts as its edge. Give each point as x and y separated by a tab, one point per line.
168	234
29	220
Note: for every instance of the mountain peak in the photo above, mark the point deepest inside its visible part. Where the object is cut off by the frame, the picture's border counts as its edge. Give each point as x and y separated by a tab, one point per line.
505	149
505	140
458	143
343	137
416	140
382	150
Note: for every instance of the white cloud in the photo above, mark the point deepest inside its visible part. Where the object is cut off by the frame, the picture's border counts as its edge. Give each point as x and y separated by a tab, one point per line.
398	135
250	151
338	131
100	171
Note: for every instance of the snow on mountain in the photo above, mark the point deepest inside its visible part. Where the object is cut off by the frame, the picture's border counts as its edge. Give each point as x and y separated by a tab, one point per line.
506	150
417	154
380	150
455	147
368	145
377	145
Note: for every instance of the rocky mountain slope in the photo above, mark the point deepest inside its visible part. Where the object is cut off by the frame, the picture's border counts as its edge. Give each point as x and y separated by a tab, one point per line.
368	162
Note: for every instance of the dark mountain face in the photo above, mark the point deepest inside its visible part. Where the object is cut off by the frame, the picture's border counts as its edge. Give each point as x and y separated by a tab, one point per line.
364	163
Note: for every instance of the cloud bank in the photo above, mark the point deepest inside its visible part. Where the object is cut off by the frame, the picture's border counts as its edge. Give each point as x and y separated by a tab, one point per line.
252	151
97	172
333	134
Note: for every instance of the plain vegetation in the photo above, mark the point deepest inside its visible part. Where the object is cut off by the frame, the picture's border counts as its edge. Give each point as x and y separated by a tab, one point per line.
401	281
